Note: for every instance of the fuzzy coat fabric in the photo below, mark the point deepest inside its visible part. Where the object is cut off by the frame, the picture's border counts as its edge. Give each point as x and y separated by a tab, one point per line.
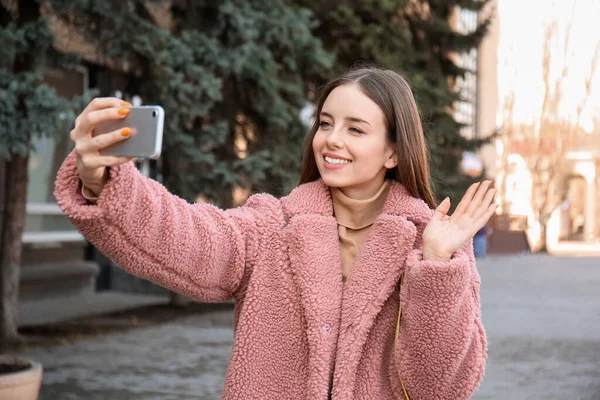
299	332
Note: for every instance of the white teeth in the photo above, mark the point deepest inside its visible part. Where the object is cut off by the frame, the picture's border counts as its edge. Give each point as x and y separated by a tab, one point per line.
336	161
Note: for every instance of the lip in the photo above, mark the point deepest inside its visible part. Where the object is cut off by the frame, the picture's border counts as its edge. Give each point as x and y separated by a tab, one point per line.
331	155
334	166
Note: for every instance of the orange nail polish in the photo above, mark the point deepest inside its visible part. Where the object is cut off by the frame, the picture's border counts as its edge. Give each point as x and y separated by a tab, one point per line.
126	132
123	111
126	104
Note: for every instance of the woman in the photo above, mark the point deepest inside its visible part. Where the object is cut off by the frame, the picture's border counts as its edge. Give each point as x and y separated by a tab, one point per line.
320	276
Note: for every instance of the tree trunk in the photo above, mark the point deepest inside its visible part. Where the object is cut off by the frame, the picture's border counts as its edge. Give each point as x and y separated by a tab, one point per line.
13	197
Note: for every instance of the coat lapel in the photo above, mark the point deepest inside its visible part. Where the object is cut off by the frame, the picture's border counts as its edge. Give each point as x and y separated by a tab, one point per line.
313	248
316	268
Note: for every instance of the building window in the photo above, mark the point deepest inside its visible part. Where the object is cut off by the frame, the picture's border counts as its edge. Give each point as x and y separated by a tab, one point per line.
466	107
45	222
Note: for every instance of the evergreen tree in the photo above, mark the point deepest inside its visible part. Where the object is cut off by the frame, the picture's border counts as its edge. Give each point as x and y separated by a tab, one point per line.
230	75
416	39
28	109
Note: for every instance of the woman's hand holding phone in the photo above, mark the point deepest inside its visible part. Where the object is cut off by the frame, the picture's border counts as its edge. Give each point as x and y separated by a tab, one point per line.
91	165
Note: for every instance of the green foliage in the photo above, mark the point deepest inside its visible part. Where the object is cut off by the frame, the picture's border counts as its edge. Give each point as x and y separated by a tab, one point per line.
28	108
224	71
403	36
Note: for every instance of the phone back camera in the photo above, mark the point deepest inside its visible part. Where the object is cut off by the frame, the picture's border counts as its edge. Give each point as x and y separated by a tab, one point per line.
153	114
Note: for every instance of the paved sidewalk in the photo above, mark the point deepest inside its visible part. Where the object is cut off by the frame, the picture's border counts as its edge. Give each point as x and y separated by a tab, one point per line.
183	360
542	316
49	311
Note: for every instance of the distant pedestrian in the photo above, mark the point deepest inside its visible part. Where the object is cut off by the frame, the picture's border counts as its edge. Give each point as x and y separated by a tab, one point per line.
322	276
480	242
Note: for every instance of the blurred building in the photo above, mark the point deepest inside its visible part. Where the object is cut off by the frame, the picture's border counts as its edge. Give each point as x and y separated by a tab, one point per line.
574	225
477	110
479	88
547	156
53	251
571	185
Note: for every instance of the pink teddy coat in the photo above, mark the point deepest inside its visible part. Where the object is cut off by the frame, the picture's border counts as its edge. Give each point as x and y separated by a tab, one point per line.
300	333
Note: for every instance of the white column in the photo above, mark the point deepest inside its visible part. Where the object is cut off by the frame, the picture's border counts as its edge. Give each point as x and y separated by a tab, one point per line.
587	168
590	211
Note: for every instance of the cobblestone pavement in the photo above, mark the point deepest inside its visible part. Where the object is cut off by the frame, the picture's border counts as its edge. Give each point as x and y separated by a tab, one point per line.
542	316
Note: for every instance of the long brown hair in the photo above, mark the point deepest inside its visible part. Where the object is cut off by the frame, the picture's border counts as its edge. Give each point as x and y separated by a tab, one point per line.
392	93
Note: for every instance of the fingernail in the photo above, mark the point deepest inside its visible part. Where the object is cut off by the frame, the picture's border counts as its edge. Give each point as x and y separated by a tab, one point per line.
126	132
126	104
123	111
447	199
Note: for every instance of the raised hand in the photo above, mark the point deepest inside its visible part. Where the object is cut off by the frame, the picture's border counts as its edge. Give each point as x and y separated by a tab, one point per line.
442	237
91	165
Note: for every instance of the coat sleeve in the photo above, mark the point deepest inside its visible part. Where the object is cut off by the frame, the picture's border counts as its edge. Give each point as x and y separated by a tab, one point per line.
442	345
194	249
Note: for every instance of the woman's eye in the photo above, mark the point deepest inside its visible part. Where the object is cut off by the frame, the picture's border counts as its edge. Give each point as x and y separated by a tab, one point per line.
324	124
356	130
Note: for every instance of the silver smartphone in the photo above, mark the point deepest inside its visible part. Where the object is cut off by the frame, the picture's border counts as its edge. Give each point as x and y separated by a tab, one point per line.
147	122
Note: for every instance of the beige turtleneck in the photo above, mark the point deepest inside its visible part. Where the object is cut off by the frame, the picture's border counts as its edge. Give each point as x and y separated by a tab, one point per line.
355	218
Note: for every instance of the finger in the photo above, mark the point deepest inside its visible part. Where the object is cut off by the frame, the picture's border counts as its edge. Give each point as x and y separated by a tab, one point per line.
108	139
97	143
483	219
94	161
485	203
441	210
462	206
100	103
476	201
82	128
90	120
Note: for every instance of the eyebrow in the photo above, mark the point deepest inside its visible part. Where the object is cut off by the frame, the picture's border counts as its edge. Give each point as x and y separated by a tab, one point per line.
353	119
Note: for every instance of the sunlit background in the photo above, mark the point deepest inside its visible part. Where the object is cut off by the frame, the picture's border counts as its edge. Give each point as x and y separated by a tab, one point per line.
523	32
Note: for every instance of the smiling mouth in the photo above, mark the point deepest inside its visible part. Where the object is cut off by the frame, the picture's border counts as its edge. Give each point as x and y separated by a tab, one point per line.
336	161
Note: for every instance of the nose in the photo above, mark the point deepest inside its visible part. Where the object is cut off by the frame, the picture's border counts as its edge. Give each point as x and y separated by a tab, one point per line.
334	139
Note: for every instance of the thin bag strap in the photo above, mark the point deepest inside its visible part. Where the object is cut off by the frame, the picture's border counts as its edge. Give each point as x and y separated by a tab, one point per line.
396	345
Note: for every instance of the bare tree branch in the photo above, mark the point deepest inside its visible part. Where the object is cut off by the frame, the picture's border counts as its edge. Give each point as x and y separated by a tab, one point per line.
544	145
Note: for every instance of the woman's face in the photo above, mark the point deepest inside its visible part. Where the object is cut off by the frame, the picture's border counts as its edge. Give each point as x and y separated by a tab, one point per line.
351	147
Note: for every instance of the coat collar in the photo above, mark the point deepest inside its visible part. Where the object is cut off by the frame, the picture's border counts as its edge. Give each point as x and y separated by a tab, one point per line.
315	198
349	310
